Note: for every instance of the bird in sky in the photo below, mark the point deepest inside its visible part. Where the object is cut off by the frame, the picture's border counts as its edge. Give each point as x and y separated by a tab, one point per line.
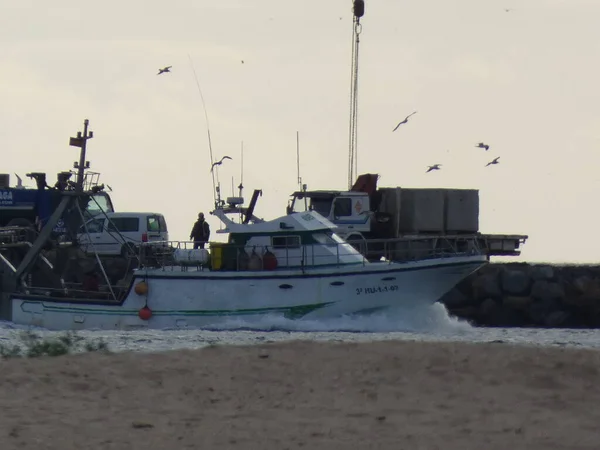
166	69
404	121
507	9
218	163
434	167
495	161
484	146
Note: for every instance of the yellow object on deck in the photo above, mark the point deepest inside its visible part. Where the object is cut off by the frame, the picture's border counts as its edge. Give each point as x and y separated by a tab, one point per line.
216	255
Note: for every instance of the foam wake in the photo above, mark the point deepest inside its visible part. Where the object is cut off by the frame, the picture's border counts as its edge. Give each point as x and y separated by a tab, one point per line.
433	318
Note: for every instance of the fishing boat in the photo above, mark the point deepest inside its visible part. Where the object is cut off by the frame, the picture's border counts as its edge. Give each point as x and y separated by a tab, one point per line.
294	265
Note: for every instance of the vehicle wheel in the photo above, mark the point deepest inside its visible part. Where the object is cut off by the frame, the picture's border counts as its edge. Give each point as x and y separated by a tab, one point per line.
128	250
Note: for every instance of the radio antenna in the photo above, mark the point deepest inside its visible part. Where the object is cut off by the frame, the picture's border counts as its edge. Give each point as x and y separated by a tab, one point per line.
299	178
216	194
241	186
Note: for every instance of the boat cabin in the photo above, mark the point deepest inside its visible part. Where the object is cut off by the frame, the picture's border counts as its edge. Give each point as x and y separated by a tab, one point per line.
298	240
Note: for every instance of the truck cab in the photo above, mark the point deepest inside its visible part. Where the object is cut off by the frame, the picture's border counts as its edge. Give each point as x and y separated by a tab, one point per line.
31	207
349	210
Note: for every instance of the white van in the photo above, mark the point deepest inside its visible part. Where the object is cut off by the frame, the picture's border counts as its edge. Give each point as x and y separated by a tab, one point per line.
112	233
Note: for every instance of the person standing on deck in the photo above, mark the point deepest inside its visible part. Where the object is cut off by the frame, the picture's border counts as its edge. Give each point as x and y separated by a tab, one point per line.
200	232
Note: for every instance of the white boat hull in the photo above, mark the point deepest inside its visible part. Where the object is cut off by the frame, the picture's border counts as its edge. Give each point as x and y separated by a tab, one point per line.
181	298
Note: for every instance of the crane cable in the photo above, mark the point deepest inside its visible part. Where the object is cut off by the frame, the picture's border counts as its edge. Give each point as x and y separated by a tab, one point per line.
358	12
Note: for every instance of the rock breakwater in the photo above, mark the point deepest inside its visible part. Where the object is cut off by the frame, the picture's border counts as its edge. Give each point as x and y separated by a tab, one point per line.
529	295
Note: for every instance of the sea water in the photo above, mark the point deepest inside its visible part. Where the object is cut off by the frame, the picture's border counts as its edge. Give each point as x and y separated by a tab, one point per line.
428	323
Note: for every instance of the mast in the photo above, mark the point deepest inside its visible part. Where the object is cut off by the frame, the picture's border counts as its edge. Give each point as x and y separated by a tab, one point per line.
81	141
358	11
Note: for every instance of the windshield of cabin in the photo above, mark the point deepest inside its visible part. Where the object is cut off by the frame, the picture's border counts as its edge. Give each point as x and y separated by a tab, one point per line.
320	205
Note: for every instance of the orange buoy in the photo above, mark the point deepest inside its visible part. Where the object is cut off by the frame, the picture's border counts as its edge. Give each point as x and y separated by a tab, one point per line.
145	313
269	260
141	288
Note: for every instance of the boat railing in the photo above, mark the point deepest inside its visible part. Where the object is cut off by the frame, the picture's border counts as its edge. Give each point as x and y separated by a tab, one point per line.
225	256
90	179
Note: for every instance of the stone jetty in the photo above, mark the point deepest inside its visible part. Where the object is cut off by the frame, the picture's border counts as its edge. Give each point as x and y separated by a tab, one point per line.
529	295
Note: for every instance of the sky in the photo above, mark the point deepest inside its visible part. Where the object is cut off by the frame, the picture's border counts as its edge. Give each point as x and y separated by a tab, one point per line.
525	81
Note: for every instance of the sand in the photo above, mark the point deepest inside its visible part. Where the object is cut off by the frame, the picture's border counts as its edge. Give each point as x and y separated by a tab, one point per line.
384	395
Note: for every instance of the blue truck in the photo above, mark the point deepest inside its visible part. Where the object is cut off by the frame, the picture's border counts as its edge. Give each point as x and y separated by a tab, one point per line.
32	207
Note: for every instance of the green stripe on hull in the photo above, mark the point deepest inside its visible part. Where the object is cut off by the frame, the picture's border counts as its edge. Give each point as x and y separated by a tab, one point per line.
291	312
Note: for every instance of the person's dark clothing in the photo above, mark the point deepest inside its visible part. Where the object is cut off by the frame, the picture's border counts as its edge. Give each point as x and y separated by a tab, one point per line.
200	233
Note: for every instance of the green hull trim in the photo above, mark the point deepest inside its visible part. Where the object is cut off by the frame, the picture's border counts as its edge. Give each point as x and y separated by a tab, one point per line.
290	312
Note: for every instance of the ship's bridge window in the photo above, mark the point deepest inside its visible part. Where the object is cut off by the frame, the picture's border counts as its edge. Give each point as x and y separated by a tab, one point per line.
278	242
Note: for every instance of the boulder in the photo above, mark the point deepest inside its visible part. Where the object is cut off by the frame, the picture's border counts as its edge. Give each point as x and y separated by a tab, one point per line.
547	290
517	303
455	299
587	287
508	317
583	284
539	310
486	286
488	307
556	319
515	282
541	272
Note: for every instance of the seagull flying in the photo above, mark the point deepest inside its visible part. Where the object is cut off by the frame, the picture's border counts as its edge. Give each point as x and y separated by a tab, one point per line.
166	69
495	161
434	167
404	121
218	163
482	145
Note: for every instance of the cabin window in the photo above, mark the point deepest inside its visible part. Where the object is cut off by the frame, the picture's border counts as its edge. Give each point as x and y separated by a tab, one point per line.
298	205
343	207
285	242
124	224
324	238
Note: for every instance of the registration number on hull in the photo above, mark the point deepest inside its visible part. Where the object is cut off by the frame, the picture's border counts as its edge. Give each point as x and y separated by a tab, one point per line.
376	289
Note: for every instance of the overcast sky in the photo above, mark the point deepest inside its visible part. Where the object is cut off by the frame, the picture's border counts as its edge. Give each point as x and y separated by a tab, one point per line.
525	81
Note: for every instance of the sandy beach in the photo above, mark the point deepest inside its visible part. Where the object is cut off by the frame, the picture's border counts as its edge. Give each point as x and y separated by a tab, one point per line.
384	395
